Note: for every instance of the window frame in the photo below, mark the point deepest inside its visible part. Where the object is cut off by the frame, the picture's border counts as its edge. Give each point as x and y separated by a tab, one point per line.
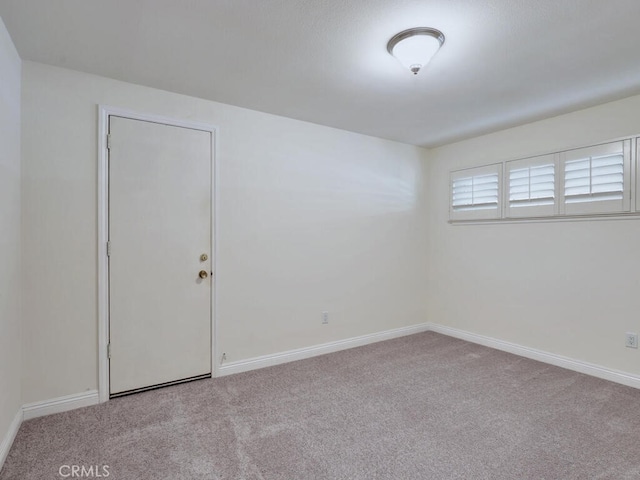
626	208
597	207
479	213
528	211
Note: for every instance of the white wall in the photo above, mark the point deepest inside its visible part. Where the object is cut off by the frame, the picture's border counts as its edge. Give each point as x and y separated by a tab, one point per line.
10	364
310	219
569	288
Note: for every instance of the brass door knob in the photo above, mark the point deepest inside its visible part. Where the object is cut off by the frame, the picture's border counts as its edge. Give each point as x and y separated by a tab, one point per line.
203	274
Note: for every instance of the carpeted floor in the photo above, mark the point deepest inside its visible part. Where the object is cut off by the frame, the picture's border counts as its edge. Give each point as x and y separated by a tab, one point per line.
420	407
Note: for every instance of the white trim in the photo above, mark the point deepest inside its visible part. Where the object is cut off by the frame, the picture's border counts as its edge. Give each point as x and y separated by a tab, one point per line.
557	218
103	231
5	446
103	263
215	229
612	375
308	352
91	397
598	371
150	117
60	404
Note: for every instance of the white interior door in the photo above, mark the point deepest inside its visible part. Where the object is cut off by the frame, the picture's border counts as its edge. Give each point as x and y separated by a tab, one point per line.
159	234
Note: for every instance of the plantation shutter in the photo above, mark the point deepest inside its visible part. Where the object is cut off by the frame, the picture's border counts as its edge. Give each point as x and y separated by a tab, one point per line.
531	187
475	193
596	179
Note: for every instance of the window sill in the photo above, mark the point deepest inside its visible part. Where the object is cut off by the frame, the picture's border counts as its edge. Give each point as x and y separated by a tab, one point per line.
550	219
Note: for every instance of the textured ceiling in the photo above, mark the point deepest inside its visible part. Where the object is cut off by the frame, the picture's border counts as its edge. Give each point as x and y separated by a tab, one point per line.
504	62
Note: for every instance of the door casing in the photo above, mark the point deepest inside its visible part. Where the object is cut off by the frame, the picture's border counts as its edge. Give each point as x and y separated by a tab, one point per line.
104	112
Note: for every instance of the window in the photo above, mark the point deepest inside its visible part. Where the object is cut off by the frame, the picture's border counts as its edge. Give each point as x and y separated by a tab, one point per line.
531	187
475	193
596	179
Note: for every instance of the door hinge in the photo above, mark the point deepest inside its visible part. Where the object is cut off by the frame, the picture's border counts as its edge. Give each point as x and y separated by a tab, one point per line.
108	249
108	141
109	350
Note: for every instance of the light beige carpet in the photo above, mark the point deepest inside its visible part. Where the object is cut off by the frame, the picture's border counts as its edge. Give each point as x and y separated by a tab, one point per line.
419	407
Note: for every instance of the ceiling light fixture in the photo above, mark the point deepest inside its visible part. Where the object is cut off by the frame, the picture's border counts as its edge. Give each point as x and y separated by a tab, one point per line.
415	47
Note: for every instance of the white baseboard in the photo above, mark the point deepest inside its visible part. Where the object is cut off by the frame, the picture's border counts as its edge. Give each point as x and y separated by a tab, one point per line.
308	352
624	378
8	439
60	404
85	399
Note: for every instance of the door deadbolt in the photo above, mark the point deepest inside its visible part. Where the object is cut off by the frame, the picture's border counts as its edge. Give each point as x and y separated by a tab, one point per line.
204	257
203	274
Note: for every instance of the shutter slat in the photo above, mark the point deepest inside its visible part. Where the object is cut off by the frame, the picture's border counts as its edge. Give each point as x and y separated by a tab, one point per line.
548	169
519	189
607	170
485	187
580	190
615	159
582	173
611	179
517	174
543	194
482	179
572	165
596	197
577	182
517	197
542	179
463	182
519	181
532	203
536	187
606	187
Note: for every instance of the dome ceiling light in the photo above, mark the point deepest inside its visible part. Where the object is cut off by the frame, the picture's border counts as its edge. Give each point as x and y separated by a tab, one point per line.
415	47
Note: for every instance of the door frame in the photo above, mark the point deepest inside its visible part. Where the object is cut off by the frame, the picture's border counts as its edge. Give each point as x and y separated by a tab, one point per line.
104	111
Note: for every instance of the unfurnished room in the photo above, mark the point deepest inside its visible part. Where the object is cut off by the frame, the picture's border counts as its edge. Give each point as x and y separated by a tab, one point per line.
319	239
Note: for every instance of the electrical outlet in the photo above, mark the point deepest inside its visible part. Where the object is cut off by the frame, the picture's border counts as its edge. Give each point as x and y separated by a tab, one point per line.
631	340
325	318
